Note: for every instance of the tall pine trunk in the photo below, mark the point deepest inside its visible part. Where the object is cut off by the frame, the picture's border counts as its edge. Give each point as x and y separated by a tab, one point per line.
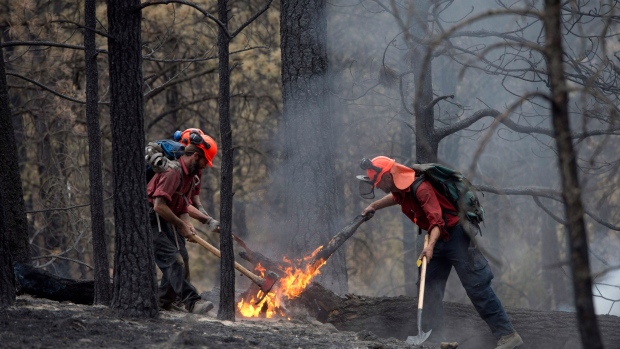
135	282
309	170
227	274
100	248
8	228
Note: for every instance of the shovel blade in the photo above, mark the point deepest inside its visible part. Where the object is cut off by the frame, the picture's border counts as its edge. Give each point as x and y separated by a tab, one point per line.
422	336
419	339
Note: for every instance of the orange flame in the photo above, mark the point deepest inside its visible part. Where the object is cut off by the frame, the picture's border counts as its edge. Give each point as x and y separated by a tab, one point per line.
297	276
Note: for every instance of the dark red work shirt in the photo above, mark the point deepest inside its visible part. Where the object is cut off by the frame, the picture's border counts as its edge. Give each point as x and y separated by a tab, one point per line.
166	185
427	210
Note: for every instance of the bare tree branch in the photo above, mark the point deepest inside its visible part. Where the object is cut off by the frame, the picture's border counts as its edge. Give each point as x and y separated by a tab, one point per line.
437	100
47	88
81	26
542	192
190	4
64	208
251	19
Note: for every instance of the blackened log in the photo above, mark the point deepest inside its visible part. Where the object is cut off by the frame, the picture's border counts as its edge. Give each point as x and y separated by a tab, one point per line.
40	283
258	258
396	317
322	255
337	241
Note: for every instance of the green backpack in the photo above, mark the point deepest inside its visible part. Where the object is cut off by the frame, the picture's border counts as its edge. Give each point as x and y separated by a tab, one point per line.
456	188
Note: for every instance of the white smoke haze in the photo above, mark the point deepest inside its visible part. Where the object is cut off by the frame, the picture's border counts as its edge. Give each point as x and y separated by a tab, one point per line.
607	294
368	119
361	37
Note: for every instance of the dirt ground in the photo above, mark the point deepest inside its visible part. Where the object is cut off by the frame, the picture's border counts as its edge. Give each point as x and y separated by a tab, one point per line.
42	323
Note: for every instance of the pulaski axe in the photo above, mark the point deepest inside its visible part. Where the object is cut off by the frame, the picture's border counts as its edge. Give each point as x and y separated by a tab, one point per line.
422	336
265	284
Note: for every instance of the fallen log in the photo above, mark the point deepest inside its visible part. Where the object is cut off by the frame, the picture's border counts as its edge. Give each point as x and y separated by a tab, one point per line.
334	244
396	317
258	258
315	261
40	283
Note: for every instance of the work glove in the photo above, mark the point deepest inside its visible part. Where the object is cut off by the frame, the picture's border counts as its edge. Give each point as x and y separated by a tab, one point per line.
368	213
213	225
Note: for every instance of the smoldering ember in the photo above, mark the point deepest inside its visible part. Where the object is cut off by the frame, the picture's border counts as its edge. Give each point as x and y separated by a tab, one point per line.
309	174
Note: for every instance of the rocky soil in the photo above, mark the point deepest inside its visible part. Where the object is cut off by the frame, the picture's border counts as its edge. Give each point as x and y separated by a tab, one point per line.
42	323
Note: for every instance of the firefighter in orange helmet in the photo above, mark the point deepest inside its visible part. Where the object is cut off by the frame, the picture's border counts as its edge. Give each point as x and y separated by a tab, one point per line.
207	144
449	246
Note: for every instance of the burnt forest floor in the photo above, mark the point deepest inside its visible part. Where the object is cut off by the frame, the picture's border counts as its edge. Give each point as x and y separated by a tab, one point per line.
42	323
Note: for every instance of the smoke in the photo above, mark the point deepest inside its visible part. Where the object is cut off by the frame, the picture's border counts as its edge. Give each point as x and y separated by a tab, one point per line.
370	110
606	291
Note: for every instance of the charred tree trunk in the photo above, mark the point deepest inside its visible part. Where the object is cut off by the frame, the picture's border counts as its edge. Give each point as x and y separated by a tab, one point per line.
15	221
7	278
226	310
100	248
135	282
309	187
427	143
571	192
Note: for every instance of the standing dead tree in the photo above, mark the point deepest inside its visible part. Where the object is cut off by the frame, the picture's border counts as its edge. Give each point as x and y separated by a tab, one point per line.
135	281
571	188
100	248
309	193
7	279
15	223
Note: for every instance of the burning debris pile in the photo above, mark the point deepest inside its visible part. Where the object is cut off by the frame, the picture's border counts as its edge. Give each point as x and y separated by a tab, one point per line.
295	276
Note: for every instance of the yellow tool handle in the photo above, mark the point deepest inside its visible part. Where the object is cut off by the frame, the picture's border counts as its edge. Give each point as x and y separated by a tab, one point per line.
423	276
255	278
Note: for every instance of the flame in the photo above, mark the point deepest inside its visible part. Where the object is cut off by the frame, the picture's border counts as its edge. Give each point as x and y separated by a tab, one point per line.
297	276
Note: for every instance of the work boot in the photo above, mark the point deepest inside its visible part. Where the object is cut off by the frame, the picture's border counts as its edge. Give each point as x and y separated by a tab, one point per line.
201	307
509	341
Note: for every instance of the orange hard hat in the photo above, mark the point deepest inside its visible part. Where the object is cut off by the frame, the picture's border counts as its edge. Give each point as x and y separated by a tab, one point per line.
210	149
183	137
403	176
377	167
197	137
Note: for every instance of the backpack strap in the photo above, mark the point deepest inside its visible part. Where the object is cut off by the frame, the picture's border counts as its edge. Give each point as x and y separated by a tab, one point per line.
414	189
416	184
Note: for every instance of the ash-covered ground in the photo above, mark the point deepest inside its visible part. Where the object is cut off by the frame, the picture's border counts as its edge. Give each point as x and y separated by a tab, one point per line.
43	323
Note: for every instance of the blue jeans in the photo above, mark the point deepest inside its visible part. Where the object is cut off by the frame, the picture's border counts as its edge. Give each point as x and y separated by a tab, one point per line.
169	255
475	274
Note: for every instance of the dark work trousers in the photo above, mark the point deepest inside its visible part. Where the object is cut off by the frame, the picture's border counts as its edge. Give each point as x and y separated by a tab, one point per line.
475	275
169	259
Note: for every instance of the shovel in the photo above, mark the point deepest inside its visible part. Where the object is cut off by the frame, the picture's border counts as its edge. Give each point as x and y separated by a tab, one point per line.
422	336
265	284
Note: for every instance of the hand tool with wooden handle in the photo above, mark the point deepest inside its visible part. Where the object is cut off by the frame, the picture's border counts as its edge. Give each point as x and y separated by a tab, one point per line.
265	284
422	336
